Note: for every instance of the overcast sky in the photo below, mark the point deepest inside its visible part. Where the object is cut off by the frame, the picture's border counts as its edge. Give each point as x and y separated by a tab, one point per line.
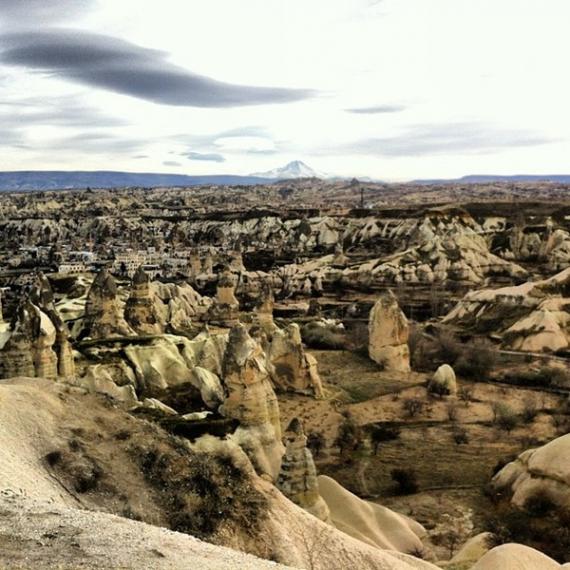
391	89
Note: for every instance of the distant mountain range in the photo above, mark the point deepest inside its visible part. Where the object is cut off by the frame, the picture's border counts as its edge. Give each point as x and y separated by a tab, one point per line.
295	169
488	178
64	180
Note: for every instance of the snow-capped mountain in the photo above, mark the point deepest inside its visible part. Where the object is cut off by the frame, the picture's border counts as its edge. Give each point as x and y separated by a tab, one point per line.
295	169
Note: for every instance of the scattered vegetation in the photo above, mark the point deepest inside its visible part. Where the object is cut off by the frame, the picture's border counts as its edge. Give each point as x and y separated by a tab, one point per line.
317	336
544	377
504	416
406	481
349	436
413	406
316	442
200	491
541	525
380	433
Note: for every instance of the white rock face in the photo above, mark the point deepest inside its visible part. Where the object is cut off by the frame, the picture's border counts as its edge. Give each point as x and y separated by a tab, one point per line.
371	523
531	317
545	471
443	380
515	557
388	335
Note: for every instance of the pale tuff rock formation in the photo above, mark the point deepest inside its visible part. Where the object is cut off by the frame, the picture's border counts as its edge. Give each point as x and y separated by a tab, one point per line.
251	400
104	379
236	261
543	471
225	310
443	381
194	264
339	258
293	368
179	306
298	476
473	550
531	317
28	351
141	312
172	361
388	334
103	317
37	343
263	311
546	329
516	557
373	524
41	295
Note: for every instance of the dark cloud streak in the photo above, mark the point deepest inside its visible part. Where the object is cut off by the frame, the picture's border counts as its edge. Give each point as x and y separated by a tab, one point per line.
119	66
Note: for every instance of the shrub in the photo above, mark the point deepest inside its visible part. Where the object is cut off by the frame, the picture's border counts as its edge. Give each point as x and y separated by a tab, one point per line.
530	411
466	394
476	361
380	433
413	406
316	335
349	436
316	443
452	411
539	505
504	416
460	436
545	527
406	481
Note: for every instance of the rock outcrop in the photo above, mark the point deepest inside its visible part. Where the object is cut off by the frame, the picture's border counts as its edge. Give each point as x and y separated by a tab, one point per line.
443	381
225	310
37	343
298	476
293	369
373	524
103	316
388	335
141	312
41	295
533	316
544	471
263	310
251	400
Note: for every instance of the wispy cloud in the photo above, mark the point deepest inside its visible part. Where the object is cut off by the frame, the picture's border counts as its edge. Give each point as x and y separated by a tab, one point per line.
209	157
453	138
116	65
376	109
42	11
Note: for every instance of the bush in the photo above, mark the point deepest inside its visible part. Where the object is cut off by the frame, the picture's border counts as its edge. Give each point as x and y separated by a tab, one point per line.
460	436
544	377
316	443
405	480
504	416
413	406
545	527
530	411
380	433
476	361
349	436
318	336
539	505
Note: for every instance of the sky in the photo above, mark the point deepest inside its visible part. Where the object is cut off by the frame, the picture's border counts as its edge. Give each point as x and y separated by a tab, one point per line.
388	89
